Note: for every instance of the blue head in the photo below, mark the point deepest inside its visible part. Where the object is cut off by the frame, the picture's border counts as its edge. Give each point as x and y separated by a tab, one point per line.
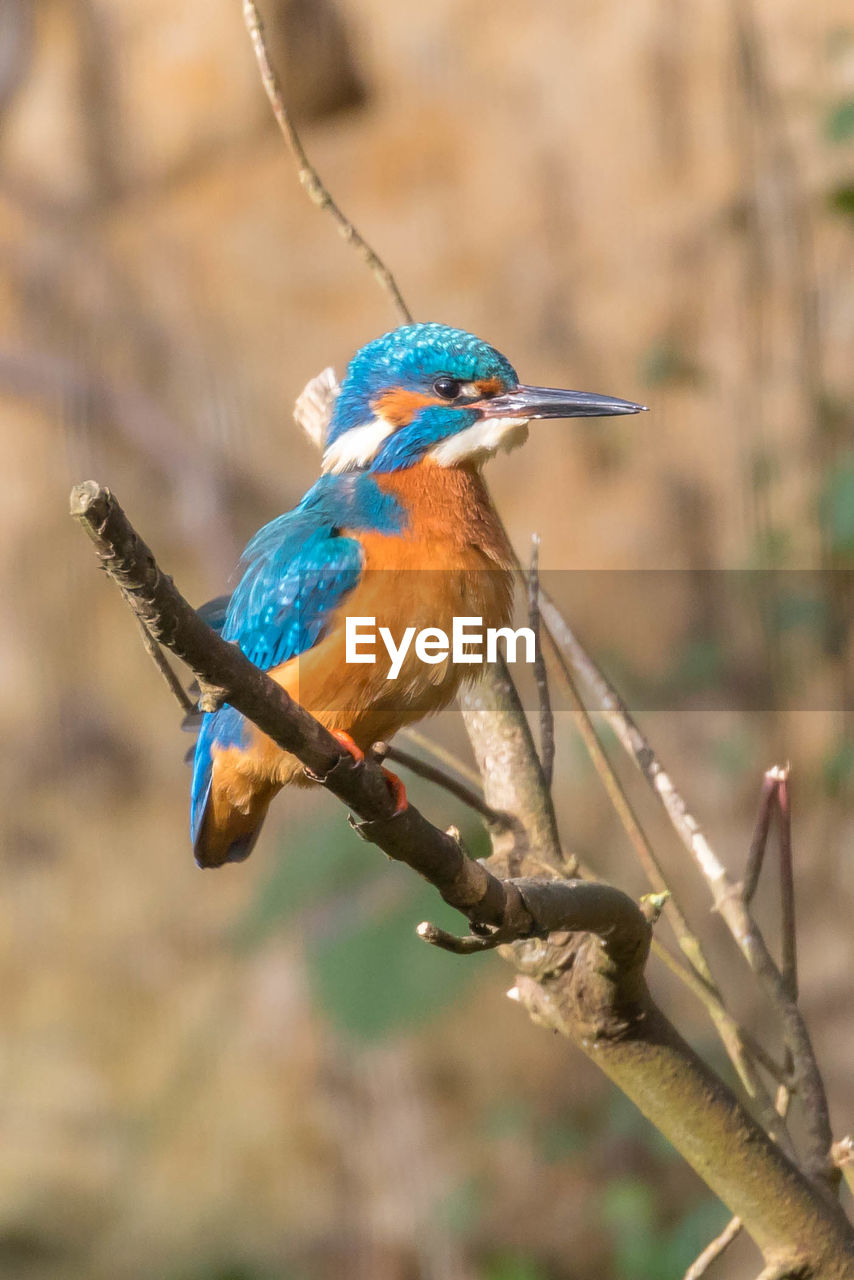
426	390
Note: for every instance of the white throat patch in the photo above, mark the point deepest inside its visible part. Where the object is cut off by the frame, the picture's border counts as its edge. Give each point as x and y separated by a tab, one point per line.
356	447
480	441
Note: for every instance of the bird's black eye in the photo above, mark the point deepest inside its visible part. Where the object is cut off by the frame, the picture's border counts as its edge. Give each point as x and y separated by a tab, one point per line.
446	387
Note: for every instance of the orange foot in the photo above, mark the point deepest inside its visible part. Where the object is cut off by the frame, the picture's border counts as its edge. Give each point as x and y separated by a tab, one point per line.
348	744
398	791
395	786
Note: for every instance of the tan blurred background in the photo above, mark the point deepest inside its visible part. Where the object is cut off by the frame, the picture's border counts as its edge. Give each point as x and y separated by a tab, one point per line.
260	1072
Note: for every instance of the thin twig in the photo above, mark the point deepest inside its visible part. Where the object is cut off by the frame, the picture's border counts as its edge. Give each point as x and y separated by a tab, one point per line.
713	1250
756	854
451	762
432	773
726	898
185	702
710	997
787	890
705	987
547	720
306	172
688	940
465	946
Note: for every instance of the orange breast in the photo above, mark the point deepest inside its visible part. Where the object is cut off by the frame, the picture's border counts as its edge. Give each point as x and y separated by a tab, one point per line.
453	560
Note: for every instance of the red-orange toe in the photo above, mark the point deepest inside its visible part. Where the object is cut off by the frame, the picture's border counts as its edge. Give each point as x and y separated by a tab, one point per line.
348	744
398	791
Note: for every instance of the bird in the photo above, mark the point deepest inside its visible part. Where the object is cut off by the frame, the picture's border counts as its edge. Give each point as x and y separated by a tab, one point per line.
399	528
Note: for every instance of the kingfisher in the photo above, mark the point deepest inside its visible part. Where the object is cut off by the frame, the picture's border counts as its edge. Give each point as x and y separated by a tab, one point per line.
399	529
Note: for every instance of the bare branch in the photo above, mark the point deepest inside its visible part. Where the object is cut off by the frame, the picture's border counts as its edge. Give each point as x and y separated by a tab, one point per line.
699	977
756	854
513	779
716	1247
547	720
726	897
594	991
185	702
306	172
447	758
688	940
787	889
713	1001
644	1055
567	905
228	676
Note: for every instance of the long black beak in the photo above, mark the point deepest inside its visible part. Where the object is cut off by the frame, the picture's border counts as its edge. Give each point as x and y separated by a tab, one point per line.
547	402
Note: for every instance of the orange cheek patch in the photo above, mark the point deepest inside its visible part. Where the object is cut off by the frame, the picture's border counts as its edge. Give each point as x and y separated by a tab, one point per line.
400	406
490	386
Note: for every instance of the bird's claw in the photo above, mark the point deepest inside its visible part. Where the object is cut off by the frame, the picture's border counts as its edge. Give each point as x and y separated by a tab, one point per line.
398	792
344	740
395	786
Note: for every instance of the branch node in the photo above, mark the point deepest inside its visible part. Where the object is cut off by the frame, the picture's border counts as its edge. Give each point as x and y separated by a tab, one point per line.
652	905
842	1152
211	697
454	833
465	946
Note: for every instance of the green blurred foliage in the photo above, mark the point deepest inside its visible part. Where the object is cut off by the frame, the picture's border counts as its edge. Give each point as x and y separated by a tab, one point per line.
699	664
839	768
645	1248
556	1136
735	753
513	1266
369	971
839	123
793	610
378	977
665	363
233	1270
837	505
461	1209
771	549
841	199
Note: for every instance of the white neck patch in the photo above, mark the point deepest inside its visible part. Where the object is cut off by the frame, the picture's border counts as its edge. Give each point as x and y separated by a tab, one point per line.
357	447
480	441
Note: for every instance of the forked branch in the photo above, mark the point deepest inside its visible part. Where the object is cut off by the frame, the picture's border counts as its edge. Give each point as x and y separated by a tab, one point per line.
226	675
593	989
728	898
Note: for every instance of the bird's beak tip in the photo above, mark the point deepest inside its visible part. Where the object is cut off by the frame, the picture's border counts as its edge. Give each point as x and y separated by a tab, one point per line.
548	402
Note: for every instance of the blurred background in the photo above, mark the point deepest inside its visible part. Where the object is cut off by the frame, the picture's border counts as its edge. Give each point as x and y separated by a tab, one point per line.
260	1072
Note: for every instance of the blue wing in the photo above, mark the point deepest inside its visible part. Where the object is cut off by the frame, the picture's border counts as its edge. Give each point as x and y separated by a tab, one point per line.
296	572
295	577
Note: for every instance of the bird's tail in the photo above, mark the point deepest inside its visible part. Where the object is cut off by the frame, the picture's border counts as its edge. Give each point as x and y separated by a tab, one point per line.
224	826
228	839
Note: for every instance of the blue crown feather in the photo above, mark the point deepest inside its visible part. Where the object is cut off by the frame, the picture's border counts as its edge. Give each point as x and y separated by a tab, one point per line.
412	357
